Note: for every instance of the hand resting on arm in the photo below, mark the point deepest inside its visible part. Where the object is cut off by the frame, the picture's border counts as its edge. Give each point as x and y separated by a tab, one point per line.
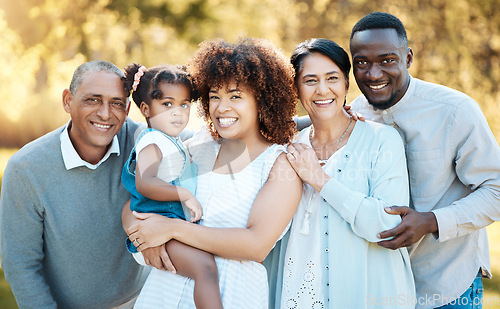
271	212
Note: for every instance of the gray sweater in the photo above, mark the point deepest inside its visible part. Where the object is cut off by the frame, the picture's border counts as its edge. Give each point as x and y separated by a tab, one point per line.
61	238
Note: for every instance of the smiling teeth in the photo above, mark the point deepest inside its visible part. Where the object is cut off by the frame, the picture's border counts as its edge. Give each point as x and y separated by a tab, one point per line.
378	87
102	126
227	121
323	101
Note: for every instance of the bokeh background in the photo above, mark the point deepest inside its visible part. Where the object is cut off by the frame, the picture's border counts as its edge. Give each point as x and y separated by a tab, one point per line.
455	42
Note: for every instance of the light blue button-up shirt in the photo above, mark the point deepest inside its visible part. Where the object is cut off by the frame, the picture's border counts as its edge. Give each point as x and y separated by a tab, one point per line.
454	169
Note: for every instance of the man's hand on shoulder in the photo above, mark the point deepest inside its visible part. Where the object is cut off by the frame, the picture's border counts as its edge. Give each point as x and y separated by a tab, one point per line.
355	116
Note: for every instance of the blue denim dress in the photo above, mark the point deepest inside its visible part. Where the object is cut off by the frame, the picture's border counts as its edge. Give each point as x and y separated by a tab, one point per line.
140	203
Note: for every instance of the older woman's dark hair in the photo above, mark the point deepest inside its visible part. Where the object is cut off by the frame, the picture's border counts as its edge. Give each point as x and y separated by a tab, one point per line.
259	66
323	46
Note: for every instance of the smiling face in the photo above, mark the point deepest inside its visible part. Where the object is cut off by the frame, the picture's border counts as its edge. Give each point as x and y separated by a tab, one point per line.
233	111
380	65
98	110
322	87
170	113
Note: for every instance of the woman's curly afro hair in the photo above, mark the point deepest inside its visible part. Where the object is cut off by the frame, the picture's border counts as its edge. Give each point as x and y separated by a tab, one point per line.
257	65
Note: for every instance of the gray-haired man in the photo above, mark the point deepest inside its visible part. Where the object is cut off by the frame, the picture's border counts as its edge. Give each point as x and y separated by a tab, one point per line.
61	240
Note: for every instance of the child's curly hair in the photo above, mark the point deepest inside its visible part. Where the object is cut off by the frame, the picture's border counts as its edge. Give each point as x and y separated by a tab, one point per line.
259	66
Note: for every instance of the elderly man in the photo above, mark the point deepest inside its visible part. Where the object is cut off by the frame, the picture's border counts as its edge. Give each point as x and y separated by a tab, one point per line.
61	240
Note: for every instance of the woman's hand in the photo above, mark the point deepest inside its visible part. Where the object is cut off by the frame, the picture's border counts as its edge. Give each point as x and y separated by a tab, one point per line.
152	231
306	164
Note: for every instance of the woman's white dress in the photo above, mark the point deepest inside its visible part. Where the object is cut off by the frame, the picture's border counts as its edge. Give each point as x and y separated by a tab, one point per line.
226	200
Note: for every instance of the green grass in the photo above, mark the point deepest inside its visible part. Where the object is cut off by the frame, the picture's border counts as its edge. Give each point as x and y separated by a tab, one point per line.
5	154
7	300
492	287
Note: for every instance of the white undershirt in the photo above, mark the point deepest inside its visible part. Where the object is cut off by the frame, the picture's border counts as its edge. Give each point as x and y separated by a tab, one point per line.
72	159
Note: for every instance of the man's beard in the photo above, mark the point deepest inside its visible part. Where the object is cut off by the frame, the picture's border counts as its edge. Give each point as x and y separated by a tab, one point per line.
386	104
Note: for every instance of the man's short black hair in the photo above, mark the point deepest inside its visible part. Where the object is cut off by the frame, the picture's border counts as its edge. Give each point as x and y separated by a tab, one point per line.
380	20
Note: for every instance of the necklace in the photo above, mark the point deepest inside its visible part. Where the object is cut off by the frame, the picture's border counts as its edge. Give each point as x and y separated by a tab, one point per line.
338	142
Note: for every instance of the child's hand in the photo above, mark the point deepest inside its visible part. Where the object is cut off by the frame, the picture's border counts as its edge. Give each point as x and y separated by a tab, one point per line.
158	258
194	208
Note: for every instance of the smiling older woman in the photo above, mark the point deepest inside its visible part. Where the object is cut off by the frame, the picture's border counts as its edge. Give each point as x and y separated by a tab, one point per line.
351	170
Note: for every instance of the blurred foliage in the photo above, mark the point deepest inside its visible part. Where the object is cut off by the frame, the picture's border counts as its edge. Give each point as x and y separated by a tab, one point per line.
456	43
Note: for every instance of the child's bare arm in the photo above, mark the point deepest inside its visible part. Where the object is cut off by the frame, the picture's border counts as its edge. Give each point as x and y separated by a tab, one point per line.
147	182
271	212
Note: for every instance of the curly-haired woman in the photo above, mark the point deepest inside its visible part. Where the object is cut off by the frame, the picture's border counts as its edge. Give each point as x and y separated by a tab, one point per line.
247	188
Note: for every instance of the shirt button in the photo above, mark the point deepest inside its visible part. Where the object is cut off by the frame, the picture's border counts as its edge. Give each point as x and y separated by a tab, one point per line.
326	267
346	156
339	170
326	217
326	233
384	112
326	250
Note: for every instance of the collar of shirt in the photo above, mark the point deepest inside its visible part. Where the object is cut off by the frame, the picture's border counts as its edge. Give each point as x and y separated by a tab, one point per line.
72	159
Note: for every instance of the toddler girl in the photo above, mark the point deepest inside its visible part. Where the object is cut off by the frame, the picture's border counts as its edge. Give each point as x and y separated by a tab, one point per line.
160	174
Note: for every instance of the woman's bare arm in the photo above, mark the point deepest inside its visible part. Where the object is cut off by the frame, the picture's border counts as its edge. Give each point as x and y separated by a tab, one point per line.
154	256
271	212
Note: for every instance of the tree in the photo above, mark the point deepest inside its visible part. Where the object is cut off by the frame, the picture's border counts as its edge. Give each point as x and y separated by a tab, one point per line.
456	43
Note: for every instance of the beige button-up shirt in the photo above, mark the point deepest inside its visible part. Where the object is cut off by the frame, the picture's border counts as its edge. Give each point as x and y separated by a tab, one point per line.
454	170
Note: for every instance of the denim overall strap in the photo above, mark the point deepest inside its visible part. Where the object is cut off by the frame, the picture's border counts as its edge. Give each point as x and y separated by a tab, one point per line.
140	203
188	178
